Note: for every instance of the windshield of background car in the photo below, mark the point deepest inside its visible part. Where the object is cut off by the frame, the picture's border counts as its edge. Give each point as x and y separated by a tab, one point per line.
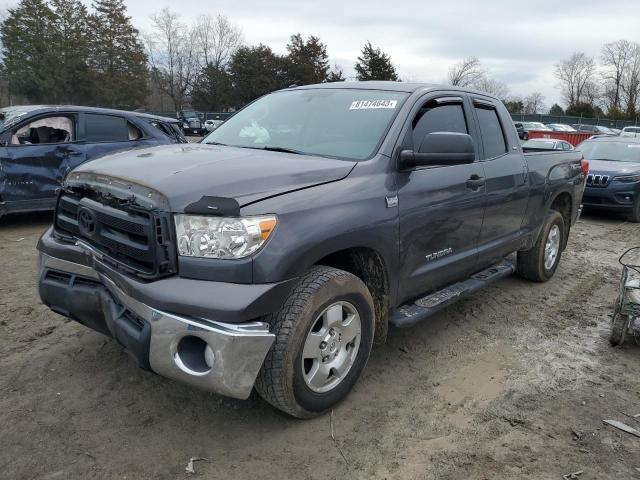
342	123
616	151
631	130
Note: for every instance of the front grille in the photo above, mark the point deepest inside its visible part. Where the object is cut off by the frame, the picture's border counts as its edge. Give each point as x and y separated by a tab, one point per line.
135	241
194	124
594	180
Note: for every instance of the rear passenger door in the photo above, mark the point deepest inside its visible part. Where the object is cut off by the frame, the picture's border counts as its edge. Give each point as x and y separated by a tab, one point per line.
107	133
506	181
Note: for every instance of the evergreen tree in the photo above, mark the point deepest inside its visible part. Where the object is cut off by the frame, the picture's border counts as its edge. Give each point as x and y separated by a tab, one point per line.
117	59
30	62
374	64
556	110
70	43
307	62
254	72
212	90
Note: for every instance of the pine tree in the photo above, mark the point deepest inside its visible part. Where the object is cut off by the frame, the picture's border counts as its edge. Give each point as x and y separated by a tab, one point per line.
307	62
117	58
29	61
374	64
254	72
212	90
71	45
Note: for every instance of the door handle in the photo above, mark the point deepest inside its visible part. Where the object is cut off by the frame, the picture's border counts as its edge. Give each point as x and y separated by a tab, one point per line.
475	182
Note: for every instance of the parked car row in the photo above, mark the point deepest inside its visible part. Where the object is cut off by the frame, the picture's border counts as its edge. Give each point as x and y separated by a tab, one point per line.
523	129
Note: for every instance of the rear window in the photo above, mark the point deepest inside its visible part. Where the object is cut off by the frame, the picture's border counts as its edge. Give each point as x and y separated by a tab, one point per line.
105	128
632	129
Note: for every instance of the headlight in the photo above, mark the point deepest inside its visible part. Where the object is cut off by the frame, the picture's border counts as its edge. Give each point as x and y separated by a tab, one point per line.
222	237
185	125
628	178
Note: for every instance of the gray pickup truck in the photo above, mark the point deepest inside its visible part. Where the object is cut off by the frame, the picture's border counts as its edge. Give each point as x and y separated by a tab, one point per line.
275	253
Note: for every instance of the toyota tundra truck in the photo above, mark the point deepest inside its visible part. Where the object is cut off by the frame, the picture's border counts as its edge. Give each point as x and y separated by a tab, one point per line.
274	254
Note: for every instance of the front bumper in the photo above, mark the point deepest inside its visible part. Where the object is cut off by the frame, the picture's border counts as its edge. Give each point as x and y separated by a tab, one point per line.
220	357
614	196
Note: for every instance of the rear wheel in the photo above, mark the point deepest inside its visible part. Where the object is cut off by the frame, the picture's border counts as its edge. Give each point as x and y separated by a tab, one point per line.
540	263
324	334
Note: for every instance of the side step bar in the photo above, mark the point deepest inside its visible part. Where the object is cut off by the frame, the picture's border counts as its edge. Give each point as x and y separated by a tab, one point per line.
412	313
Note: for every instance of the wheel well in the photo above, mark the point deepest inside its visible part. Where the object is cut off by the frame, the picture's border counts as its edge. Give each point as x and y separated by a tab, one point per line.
563	203
368	266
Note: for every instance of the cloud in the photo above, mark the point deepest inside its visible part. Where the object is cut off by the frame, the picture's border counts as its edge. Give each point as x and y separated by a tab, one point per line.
517	43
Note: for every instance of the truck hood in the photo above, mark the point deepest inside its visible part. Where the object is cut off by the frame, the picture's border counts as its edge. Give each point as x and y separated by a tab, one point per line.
613	168
185	173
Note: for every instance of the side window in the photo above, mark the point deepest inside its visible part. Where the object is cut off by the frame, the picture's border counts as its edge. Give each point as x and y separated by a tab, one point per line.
492	135
134	132
435	117
105	128
46	130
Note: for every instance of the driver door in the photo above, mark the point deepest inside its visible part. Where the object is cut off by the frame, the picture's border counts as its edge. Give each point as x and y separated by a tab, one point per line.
441	208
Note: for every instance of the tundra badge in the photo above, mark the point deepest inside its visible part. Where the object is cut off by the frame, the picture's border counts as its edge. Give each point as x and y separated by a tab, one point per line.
438	254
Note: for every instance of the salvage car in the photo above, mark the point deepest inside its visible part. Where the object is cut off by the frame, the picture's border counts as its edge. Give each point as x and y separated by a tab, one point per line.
523	128
41	144
274	253
613	182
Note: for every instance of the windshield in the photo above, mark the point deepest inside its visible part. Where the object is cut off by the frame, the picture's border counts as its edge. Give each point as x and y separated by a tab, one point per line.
9	116
631	130
616	151
343	123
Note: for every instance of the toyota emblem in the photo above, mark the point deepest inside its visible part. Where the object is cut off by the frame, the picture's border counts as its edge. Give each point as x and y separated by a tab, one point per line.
86	221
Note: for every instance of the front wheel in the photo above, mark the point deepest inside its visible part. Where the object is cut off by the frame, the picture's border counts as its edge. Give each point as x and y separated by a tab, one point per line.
324	334
540	263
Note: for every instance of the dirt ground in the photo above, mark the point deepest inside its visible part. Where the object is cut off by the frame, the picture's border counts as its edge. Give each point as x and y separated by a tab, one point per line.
512	383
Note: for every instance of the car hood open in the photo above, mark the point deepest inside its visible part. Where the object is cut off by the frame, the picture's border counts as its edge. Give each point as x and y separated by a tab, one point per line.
185	173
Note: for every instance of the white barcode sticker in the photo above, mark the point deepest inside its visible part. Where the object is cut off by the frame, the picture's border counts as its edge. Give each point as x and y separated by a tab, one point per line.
372	104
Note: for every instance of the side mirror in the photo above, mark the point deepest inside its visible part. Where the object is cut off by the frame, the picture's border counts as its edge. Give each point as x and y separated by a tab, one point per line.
440	148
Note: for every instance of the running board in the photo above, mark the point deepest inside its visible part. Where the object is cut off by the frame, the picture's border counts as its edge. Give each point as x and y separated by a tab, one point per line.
412	313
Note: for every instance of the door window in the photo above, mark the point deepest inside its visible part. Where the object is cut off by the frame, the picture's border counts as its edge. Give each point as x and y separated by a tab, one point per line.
437	117
49	130
105	128
493	137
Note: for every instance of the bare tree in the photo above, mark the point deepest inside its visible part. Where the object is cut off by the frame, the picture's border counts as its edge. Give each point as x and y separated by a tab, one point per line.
217	39
466	72
534	103
492	87
173	55
630	84
575	75
616	57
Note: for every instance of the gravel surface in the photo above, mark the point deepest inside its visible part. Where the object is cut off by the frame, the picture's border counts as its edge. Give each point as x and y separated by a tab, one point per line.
512	383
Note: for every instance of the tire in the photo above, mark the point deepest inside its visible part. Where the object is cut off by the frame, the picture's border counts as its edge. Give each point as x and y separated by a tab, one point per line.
283	379
531	263
619	327
634	216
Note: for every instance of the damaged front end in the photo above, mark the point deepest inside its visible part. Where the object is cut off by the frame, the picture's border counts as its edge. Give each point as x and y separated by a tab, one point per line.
125	225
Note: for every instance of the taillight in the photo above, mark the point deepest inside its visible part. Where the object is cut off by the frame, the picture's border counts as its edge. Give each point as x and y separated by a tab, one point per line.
584	166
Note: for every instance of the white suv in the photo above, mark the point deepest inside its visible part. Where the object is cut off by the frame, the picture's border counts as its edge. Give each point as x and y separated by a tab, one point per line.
630	132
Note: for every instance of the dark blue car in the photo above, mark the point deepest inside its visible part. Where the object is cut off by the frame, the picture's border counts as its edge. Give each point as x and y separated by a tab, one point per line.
614	174
40	144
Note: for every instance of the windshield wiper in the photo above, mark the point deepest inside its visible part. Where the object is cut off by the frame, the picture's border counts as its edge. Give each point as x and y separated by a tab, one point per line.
283	149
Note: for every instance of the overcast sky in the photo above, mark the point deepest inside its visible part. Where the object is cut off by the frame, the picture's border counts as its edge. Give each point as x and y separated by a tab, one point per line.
517	42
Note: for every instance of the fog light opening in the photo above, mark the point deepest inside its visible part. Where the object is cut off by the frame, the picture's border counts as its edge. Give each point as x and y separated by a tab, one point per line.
194	355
